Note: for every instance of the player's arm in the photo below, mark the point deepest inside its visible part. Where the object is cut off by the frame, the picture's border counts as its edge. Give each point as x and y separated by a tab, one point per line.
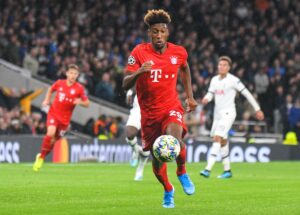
83	103
47	98
209	95
83	100
207	98
245	92
259	114
185	75
49	92
131	77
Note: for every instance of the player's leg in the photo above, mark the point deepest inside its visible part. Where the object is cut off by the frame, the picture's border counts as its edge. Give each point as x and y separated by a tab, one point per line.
160	171
151	129
176	131
228	120
215	150
225	160
131	139
143	158
225	155
46	147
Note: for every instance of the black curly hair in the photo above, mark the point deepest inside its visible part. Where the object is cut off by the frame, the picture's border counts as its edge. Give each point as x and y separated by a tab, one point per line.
157	16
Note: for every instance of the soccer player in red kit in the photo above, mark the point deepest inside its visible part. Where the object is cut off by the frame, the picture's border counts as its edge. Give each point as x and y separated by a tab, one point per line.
69	93
153	67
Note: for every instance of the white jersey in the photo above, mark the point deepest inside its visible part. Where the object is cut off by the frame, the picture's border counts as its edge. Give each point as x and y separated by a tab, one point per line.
134	118
135	104
224	91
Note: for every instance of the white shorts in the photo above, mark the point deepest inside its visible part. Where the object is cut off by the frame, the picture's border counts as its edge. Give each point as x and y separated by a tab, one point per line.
134	118
222	124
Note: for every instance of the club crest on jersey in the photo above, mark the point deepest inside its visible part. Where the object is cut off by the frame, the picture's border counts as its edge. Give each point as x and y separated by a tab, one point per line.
131	60
72	91
173	60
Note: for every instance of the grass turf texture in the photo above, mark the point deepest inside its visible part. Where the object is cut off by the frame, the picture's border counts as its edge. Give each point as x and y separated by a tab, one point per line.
269	188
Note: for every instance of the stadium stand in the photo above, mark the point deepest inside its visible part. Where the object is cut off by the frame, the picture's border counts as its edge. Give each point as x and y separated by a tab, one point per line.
44	36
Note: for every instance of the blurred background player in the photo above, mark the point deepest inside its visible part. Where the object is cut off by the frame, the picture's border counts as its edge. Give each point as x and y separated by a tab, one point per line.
133	126
69	93
154	67
223	88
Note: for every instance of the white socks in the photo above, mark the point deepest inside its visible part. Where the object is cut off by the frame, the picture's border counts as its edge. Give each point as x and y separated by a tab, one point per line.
225	156
132	142
138	153
143	158
215	150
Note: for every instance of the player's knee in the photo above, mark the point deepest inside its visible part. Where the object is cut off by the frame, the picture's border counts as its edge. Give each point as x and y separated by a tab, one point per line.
145	153
130	136
223	142
218	139
51	134
131	133
51	131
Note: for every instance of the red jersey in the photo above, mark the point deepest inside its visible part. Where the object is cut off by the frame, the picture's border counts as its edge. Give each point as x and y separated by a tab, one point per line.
156	90
62	106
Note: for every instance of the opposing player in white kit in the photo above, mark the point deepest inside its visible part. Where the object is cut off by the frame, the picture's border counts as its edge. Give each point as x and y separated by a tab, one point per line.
133	126
223	88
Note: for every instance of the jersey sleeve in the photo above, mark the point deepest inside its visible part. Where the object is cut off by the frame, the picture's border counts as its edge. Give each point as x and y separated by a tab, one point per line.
238	85
133	63
184	57
211	88
83	95
55	86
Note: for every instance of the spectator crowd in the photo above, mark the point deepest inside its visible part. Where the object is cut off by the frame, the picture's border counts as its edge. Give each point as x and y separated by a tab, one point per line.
17	117
261	36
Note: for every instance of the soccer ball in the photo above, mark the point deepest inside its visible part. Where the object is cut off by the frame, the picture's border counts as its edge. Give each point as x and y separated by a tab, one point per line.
166	148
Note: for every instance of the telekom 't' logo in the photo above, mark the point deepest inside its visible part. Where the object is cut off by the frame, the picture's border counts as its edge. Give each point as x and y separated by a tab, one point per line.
155	74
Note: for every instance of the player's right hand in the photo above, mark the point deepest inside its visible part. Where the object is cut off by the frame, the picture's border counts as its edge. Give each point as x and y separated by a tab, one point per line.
204	101
146	67
259	115
191	104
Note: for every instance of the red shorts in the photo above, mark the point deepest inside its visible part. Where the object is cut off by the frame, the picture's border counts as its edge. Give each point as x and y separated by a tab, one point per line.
60	127
154	126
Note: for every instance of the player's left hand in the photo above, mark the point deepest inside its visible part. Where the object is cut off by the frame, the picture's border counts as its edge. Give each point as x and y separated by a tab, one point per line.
259	115
191	104
77	101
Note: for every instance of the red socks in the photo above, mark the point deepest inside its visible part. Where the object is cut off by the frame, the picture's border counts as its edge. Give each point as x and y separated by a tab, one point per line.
160	171
46	146
181	161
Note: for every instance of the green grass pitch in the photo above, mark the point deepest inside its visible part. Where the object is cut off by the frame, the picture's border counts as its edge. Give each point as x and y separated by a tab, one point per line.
255	189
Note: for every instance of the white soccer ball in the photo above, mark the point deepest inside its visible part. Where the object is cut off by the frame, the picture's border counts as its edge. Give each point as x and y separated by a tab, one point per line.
166	148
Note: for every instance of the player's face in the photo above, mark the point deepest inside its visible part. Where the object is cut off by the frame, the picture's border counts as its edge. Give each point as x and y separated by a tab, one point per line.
72	75
223	67
159	34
